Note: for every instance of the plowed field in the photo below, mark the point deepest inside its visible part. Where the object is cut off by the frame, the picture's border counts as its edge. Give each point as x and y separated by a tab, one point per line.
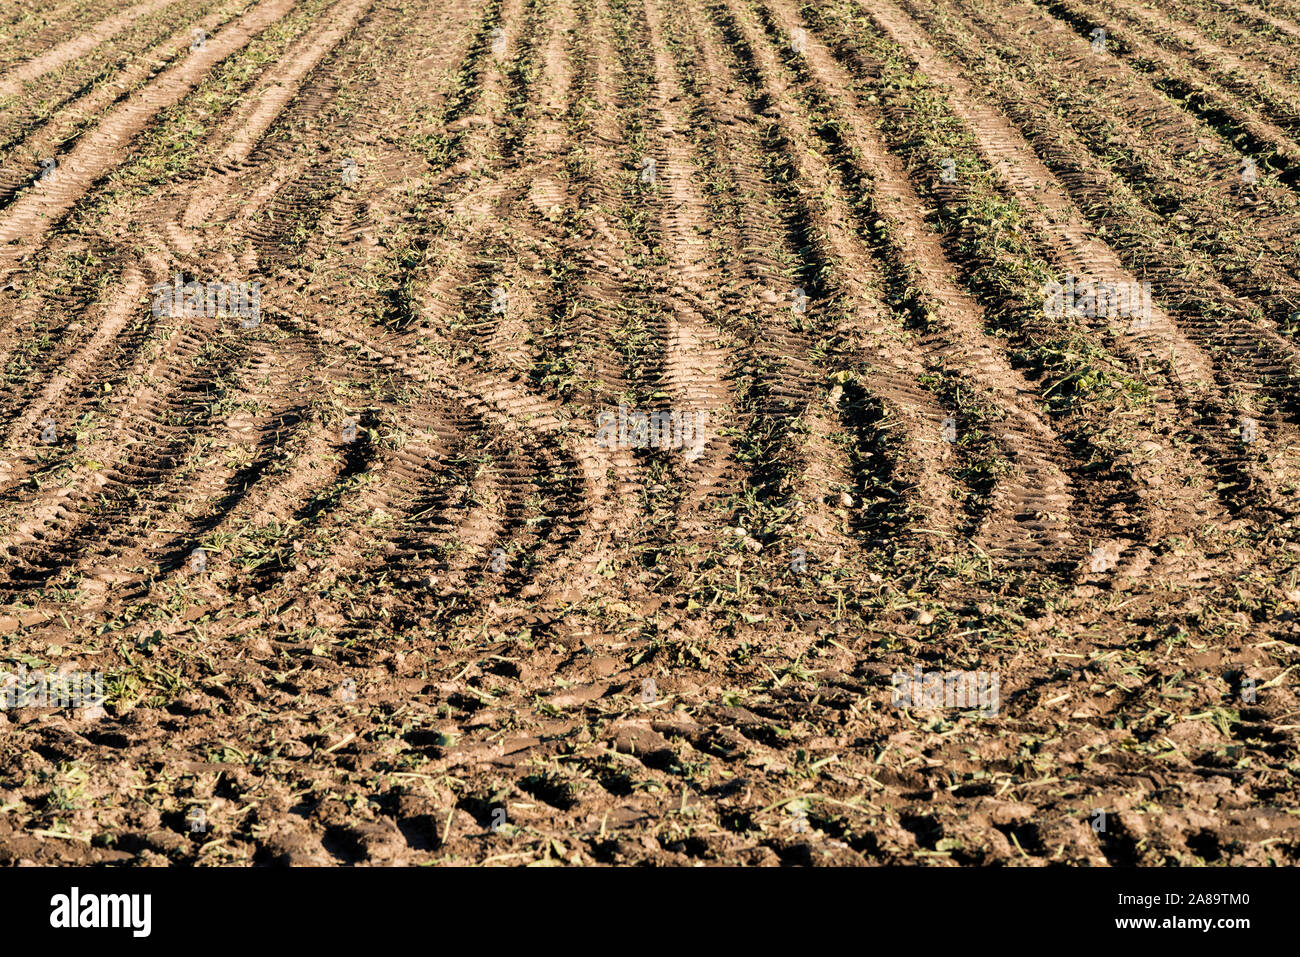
566	431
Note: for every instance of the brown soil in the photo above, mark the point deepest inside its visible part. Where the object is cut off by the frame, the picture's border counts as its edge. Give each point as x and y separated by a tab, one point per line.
437	618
